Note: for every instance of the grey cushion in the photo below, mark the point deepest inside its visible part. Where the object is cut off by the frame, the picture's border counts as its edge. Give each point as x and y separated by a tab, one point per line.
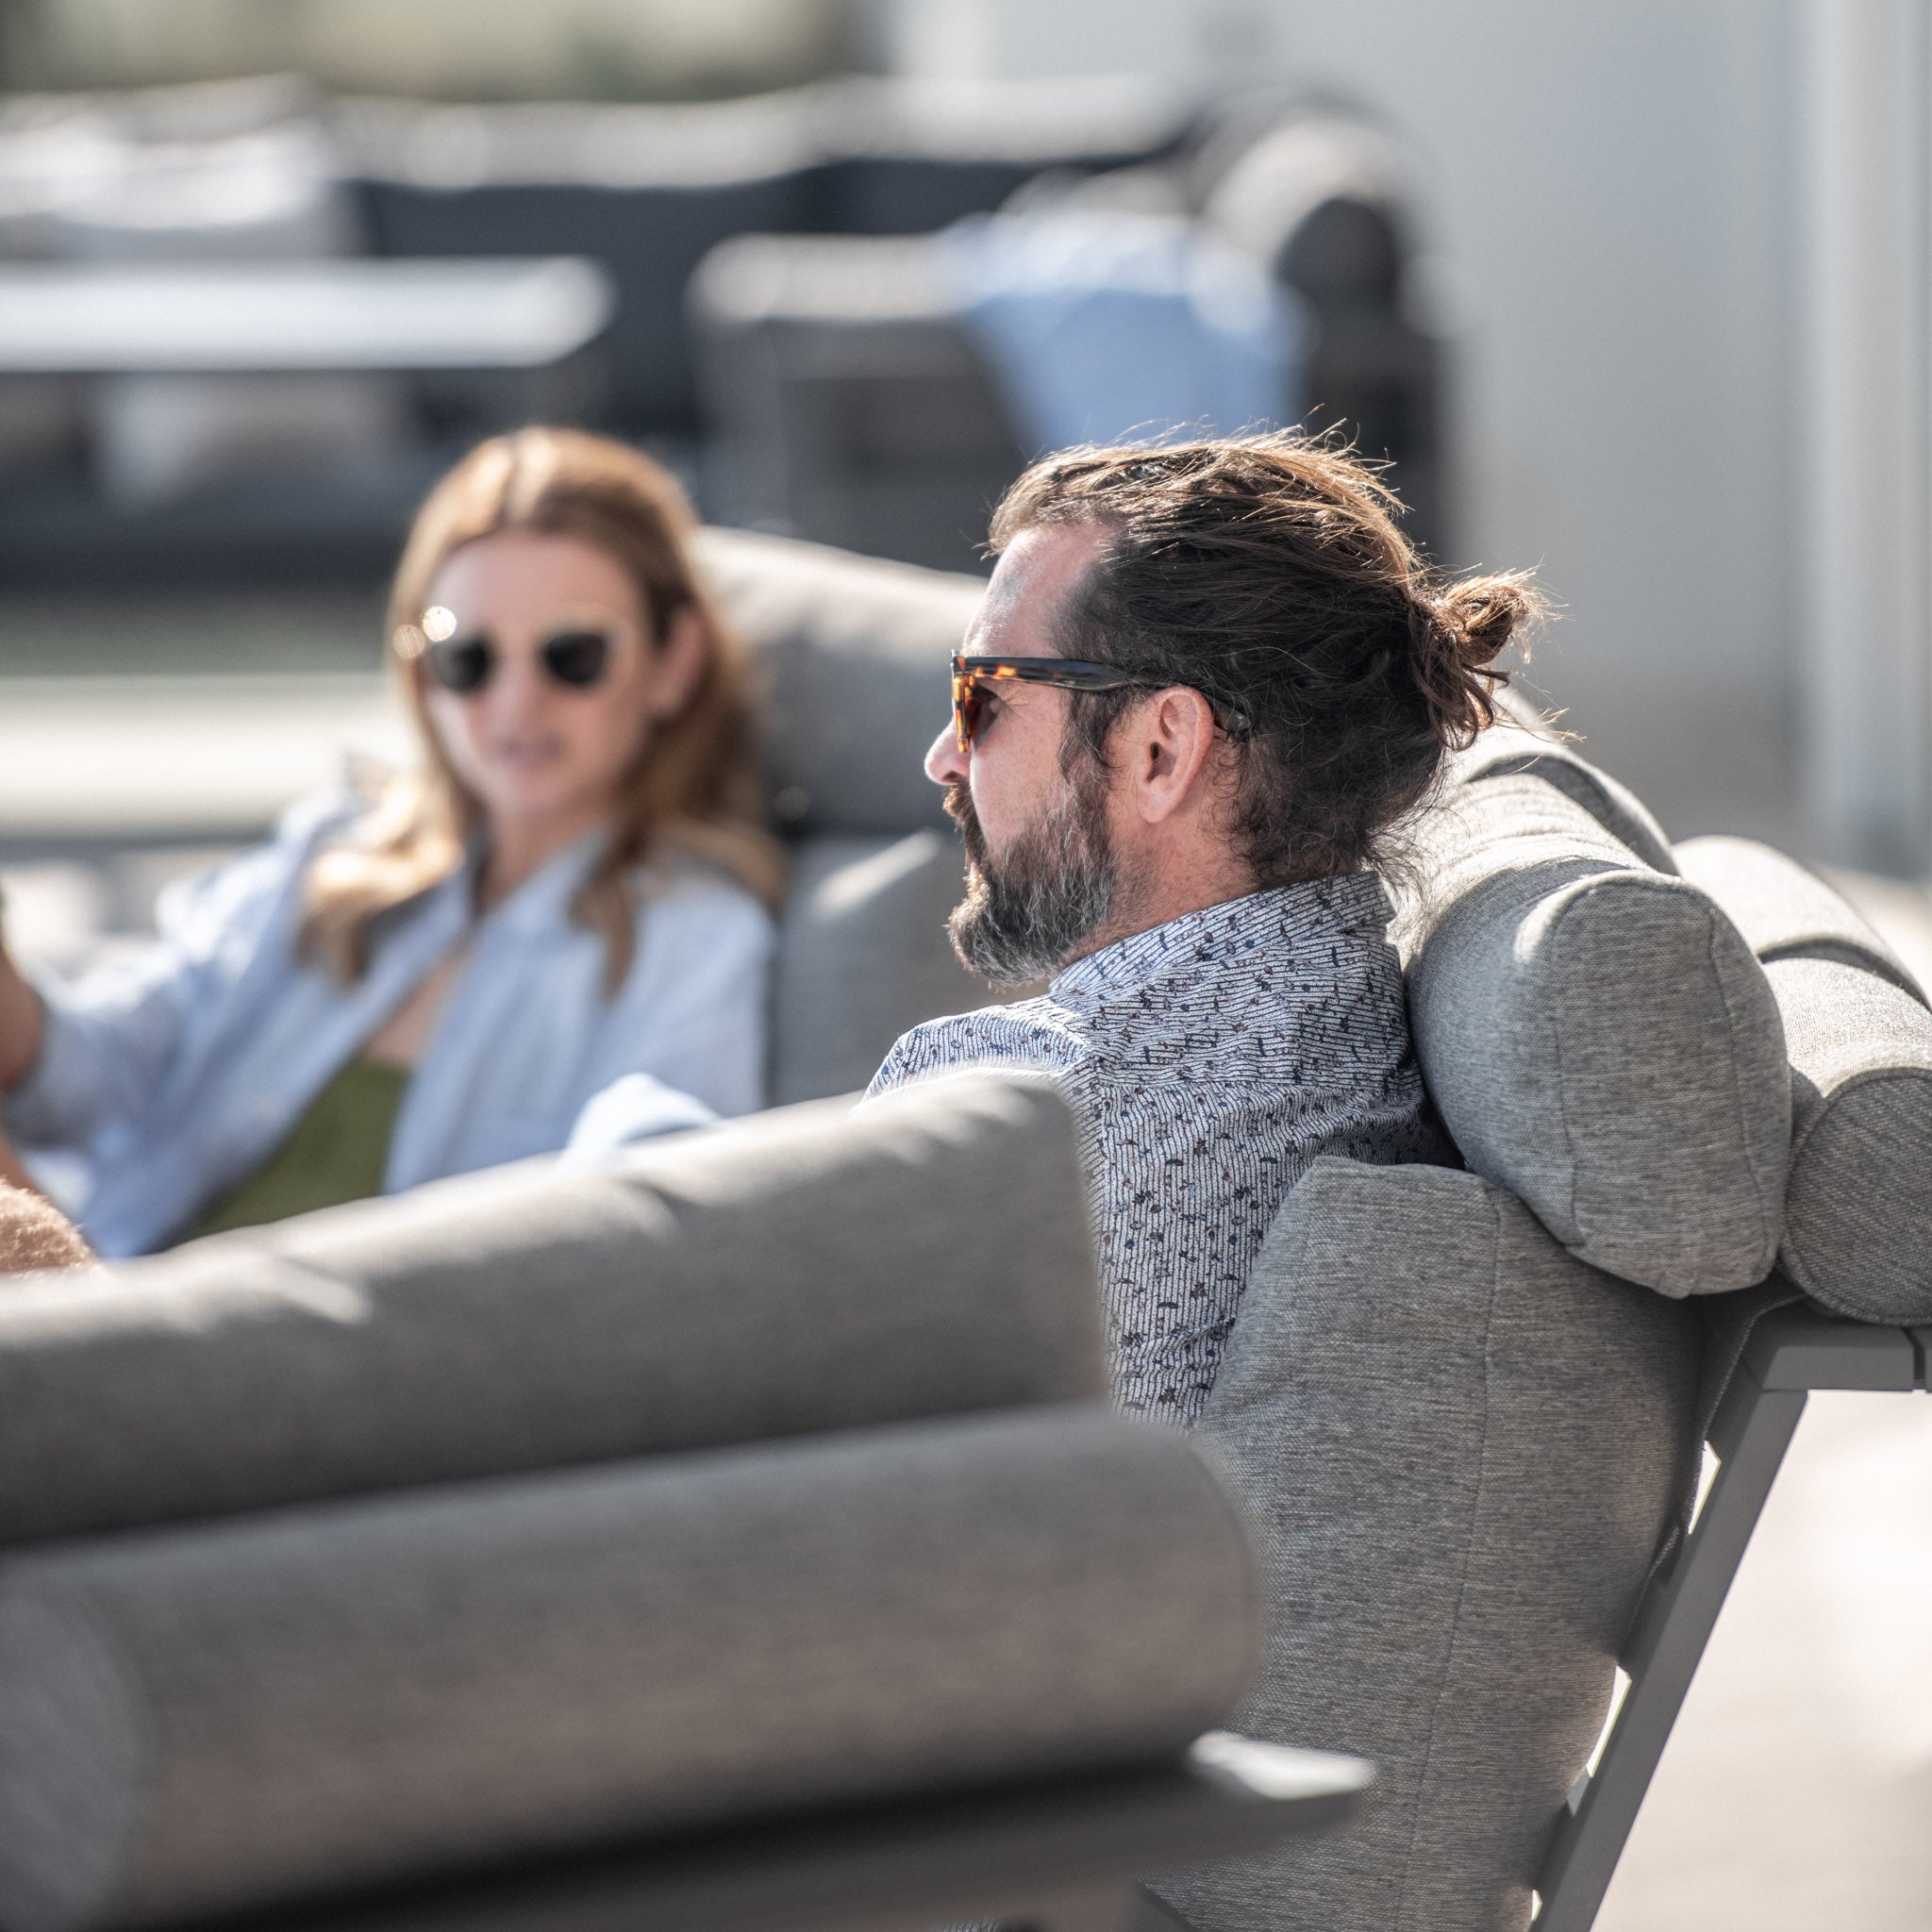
1786	911
799	1271
203	1719
1596	1035
1857	1233
1519	743
855	652
1461	1447
862	955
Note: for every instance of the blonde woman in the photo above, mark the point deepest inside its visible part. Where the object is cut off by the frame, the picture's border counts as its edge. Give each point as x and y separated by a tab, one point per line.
570	893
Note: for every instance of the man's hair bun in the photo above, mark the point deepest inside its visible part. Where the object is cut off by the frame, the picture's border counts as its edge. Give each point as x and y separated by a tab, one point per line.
1458	634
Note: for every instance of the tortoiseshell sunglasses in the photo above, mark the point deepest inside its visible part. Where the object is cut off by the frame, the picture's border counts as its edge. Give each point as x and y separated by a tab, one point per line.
970	675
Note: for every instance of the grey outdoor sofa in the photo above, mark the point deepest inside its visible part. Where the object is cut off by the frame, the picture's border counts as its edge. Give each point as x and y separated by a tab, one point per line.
1463	1407
1467	1408
695	1541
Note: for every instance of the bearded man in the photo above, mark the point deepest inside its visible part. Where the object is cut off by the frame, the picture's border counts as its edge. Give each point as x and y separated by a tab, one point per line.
1205	685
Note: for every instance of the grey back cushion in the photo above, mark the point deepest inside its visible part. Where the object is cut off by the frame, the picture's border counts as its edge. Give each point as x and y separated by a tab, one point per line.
1595	1033
213	1717
799	1272
854	652
863	956
1462	1448
1858	1230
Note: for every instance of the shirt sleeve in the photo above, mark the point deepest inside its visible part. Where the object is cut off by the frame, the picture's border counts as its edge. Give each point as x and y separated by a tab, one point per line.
692	1014
111	1041
637	1108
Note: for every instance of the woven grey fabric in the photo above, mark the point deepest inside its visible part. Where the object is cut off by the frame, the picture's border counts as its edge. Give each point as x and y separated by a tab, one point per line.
1461	1448
1785	910
1857	1232
1511	747
799	1271
210	1718
853	653
1597	1037
864	957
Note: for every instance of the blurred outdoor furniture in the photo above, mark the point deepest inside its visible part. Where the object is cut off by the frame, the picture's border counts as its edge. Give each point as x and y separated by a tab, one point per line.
855	394
648	191
847	404
281	317
862	410
211	366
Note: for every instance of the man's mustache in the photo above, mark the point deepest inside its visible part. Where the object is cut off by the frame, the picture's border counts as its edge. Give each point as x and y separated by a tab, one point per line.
959	808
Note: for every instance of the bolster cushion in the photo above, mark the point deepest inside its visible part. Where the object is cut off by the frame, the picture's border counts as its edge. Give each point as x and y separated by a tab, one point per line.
1595	1033
1461	1448
1858	1229
804	1270
211	1718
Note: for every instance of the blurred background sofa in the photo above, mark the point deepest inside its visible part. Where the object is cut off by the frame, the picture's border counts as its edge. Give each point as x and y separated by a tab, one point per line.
783	328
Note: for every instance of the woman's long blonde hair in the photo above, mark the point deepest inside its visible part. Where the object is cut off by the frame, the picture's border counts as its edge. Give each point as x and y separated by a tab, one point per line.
692	787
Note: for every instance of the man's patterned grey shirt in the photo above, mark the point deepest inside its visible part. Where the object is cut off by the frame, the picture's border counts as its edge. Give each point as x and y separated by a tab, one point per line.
1207	1062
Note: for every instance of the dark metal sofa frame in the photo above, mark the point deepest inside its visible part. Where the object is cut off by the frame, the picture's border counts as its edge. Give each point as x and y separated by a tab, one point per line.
1754	1411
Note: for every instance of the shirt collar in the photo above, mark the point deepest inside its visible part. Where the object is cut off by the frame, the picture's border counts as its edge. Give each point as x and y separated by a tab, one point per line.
1216	935
544	899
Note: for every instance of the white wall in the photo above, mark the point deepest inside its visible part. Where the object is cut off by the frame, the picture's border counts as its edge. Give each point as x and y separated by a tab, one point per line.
1614	187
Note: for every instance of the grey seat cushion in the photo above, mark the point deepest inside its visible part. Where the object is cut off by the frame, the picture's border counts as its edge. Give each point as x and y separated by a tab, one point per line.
863	956
1462	1447
1857	1231
215	1717
799	1272
1595	1033
855	653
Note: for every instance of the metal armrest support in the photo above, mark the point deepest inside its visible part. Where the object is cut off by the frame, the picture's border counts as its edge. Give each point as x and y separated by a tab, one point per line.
1790	1352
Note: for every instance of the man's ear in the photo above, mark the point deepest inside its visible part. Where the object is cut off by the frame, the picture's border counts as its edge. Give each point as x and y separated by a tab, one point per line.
1170	740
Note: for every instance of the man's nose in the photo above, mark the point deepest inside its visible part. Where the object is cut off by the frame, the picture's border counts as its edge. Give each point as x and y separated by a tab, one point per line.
946	763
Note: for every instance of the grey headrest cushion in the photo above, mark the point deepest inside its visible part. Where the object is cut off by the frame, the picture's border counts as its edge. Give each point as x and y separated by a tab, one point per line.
1595	1033
1857	1234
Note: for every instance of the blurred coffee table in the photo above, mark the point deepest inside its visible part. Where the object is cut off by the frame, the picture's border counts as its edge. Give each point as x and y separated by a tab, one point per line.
512	313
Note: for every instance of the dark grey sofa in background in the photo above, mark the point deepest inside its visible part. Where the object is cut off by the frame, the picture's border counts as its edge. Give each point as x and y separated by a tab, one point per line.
835	397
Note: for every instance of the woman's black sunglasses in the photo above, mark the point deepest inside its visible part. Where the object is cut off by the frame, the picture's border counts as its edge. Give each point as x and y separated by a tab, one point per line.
578	657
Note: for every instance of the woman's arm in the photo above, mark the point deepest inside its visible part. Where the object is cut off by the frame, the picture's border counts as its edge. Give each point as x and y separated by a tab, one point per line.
76	1056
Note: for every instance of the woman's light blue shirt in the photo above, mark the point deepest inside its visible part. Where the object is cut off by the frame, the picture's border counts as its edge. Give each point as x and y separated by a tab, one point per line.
178	1075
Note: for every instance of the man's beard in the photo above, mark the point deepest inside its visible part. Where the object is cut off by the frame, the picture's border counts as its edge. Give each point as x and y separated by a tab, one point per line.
1031	911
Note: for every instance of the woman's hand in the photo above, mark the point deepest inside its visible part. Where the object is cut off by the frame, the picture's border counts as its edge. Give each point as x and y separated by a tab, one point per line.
20	1024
